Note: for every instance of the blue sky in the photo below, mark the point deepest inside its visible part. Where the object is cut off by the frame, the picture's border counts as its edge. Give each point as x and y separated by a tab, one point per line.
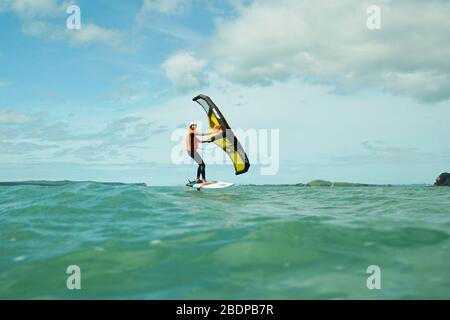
101	103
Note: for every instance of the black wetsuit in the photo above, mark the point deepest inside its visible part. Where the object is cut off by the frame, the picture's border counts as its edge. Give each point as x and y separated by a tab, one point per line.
197	158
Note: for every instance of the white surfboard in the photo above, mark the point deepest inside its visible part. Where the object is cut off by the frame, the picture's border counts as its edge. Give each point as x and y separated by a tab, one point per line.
210	185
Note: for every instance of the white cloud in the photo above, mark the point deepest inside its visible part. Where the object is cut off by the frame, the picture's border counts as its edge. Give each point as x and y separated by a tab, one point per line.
9	117
132	92
328	42
29	8
169	7
185	71
39	28
88	34
34	15
30	137
428	86
164	7
91	33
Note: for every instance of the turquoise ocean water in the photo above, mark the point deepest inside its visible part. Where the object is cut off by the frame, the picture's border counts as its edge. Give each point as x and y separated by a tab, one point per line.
247	242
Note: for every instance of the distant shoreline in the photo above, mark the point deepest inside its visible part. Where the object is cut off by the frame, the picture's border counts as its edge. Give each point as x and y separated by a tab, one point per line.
313	183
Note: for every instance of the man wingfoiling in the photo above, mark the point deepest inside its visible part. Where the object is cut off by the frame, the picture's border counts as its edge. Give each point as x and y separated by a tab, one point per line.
191	148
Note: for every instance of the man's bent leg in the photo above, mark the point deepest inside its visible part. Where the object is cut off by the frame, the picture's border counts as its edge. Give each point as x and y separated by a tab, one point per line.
201	164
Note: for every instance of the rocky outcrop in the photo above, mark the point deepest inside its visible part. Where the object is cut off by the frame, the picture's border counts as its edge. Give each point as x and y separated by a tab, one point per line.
443	180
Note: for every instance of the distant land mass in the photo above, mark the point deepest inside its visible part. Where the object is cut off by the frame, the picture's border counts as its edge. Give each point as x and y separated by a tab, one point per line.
442	180
324	183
